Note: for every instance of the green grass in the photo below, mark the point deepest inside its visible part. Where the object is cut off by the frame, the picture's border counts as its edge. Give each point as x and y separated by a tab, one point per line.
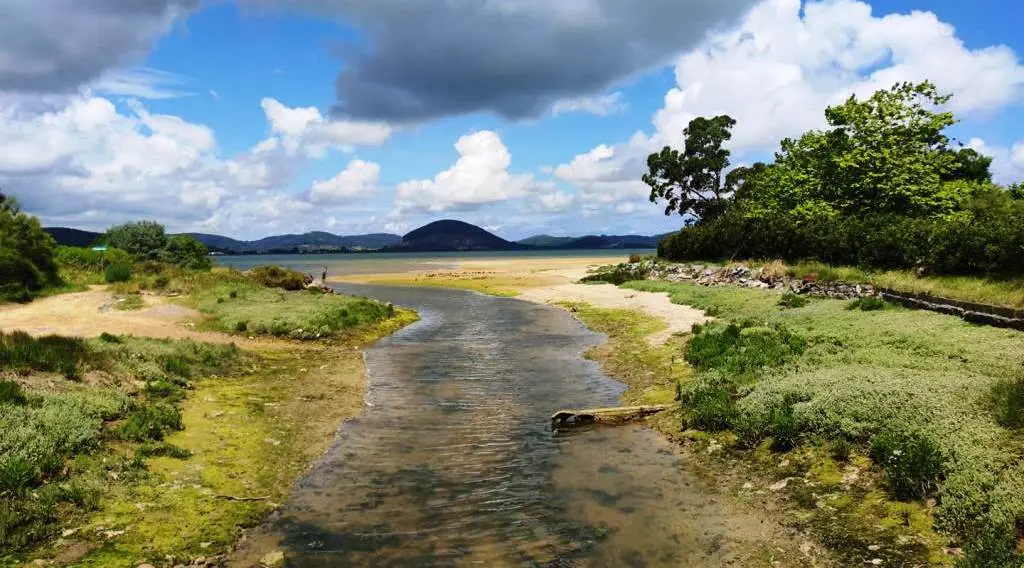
934	385
51	427
129	302
247	307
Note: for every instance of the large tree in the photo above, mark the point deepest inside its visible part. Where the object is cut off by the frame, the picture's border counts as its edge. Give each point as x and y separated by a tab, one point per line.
691	181
145	240
26	253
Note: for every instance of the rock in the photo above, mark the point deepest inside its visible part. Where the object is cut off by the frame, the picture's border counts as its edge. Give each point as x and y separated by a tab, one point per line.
748	486
780	485
272	559
874	562
874	548
145	566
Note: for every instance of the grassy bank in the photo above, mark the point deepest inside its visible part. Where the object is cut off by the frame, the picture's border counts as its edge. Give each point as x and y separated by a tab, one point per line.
995	289
903	427
118	449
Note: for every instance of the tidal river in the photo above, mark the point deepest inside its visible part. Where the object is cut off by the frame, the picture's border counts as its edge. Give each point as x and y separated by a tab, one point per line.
453	463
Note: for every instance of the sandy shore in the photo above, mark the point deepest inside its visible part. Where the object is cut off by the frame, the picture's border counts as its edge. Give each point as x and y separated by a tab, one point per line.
545	281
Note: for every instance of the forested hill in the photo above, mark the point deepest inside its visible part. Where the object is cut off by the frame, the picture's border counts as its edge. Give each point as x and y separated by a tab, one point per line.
451	235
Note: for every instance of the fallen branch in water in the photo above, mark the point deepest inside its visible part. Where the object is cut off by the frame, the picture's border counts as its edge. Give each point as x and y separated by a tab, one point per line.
233	498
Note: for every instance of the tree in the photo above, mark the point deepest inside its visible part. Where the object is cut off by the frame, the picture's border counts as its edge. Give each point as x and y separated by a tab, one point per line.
691	181
187	252
145	240
26	253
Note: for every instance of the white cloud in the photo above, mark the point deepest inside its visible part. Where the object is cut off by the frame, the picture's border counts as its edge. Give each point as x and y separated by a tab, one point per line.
602	105
1007	162
479	177
359	178
557	202
140	83
304	130
778	70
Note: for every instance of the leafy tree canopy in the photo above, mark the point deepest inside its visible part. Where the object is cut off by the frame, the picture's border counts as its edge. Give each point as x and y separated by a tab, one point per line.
691	181
187	252
26	253
145	240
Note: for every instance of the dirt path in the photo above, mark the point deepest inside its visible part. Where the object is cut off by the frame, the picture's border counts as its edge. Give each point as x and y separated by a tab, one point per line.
88	314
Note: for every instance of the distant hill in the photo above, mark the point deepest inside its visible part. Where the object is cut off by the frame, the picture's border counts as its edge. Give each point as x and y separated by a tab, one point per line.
73	237
594	242
546	241
316	241
450	235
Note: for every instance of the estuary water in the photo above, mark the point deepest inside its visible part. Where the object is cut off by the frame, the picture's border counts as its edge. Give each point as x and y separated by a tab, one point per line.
453	463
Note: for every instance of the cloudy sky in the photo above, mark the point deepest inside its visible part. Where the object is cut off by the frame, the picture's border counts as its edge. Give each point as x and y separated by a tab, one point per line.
254	117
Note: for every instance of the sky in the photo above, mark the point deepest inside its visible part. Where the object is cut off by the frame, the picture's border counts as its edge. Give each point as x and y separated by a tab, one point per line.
249	118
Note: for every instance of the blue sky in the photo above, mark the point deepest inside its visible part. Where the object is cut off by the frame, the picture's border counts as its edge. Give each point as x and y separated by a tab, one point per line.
254	117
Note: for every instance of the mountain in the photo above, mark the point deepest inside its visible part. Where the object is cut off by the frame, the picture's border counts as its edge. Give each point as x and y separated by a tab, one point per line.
73	237
450	235
594	242
545	241
316	241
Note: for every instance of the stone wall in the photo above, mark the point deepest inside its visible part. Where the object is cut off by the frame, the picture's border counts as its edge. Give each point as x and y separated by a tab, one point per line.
746	277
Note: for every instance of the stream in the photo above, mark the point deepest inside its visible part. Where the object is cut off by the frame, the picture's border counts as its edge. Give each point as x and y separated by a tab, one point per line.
453	463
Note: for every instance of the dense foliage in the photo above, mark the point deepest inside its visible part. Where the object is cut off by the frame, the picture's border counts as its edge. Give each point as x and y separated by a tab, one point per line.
148	241
883	186
26	254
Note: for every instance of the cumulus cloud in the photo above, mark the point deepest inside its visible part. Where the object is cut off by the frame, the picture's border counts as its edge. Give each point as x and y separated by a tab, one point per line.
359	178
60	45
432	58
1007	162
778	70
305	130
479	177
601	105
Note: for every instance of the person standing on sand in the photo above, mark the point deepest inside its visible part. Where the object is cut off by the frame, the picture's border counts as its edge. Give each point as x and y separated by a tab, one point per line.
323	279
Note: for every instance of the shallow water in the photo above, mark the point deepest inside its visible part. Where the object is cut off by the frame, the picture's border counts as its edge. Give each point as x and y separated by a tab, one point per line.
453	463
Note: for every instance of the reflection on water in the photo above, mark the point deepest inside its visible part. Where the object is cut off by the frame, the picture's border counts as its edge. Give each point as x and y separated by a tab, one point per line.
454	464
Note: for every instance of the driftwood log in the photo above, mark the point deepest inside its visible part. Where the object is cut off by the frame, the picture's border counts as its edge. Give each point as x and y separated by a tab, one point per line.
616	415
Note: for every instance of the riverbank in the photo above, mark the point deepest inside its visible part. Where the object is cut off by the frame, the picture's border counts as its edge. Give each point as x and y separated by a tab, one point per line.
228	421
891	435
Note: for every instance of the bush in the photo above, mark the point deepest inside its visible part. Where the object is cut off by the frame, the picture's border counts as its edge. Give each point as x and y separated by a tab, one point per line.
144	240
118	273
241	326
77	258
162	449
27	263
634	258
11	393
913	464
710	405
278	277
1008	403
150	423
17	475
790	300
108	338
186	252
618	274
165	390
21	352
867	304
742	349
840	449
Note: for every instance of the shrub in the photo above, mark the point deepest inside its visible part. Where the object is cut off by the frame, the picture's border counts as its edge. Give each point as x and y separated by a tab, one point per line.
21	352
161	282
742	348
27	262
867	304
187	252
144	240
840	449
11	393
278	277
176	365
790	300
17	475
118	273
147	450
150	423
108	338
913	464
634	258
710	405
241	326
1008	402
783	425
618	274
165	390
